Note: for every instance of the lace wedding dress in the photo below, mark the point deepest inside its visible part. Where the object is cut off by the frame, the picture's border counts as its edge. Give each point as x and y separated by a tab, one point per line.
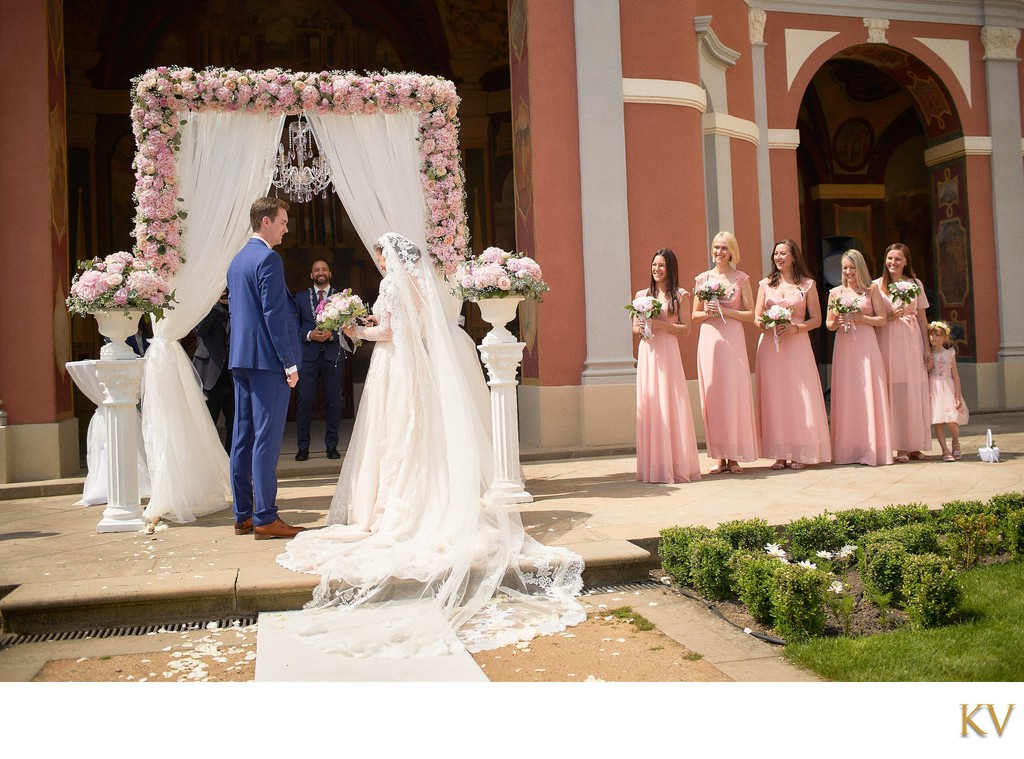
416	558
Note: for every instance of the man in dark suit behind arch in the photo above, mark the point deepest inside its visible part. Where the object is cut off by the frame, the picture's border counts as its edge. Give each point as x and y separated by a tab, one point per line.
211	363
323	359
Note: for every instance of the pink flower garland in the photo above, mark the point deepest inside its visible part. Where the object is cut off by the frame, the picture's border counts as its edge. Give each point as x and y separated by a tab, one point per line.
161	95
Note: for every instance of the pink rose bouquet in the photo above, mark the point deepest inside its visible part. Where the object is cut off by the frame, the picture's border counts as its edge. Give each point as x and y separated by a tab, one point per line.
119	282
339	311
644	308
845	304
714	292
905	290
773	316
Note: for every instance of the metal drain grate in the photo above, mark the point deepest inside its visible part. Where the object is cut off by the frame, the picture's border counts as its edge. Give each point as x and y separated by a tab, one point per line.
624	587
14	639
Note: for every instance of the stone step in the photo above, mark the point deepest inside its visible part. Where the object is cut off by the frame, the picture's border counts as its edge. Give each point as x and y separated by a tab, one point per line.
52	607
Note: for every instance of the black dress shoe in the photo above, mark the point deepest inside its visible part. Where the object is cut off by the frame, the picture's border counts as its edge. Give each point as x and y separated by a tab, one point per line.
302	455
332	453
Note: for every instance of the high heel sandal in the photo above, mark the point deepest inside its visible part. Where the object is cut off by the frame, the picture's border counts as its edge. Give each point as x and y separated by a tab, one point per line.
718	468
957	455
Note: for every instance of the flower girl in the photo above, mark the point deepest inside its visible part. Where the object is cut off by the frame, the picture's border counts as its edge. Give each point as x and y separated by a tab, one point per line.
948	407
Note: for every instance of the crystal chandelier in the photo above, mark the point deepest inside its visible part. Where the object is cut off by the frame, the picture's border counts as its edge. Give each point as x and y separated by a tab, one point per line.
299	172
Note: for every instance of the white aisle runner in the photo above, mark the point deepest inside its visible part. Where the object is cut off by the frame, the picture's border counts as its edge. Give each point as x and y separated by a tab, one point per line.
283	656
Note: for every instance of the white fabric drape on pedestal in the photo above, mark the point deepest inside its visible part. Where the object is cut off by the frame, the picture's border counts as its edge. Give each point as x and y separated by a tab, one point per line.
224	164
94	490
375	163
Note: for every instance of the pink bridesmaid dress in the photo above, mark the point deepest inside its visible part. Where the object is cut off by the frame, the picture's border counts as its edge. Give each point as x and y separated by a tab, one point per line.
791	420
902	347
861	424
723	375
666	444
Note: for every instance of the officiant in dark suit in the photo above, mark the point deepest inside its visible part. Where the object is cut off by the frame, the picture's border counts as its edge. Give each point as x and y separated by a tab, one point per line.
323	362
211	362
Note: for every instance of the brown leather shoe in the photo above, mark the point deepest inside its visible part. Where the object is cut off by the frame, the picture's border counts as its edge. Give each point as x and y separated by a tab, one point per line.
276	529
243	528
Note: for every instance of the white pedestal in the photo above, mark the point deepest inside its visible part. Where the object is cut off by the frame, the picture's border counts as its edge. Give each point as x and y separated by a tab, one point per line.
502	353
121	381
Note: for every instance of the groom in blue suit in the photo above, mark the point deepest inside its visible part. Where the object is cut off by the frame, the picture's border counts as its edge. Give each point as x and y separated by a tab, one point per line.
263	356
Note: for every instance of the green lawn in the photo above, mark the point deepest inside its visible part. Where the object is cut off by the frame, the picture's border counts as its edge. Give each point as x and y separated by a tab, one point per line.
987	645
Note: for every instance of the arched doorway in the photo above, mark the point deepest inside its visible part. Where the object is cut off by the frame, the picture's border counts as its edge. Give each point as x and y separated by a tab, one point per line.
872	172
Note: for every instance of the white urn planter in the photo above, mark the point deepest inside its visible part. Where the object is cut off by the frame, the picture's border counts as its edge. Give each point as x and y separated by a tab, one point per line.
117	326
502	354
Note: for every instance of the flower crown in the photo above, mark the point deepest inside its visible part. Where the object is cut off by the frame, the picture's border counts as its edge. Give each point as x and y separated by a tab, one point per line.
939	327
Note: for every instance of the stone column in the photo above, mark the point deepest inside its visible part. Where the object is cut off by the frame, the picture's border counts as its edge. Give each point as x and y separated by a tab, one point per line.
122	384
756	21
1001	75
603	188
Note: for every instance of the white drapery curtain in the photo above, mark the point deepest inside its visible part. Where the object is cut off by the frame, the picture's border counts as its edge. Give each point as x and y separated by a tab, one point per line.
375	164
224	164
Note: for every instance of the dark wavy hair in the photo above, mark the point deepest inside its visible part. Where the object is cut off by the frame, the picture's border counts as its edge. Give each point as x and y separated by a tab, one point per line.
800	272
671	278
908	270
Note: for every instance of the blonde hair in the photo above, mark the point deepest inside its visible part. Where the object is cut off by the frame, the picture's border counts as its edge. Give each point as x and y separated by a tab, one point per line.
943	329
730	243
855	256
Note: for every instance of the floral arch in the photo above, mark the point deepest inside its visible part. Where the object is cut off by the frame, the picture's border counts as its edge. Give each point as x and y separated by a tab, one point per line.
206	142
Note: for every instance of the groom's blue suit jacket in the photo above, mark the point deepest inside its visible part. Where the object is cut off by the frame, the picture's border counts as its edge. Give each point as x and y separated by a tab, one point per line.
264	333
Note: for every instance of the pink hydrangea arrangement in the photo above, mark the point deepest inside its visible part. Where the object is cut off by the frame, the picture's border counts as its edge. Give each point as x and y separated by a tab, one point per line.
499	273
163	97
119	282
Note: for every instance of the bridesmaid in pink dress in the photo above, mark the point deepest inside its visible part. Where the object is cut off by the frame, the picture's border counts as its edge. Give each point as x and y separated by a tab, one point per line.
861	427
791	421
723	372
907	357
666	445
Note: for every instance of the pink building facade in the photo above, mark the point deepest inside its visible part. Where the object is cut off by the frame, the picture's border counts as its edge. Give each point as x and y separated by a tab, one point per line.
635	125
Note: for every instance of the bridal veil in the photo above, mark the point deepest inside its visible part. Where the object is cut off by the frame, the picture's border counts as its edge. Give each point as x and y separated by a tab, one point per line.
416	557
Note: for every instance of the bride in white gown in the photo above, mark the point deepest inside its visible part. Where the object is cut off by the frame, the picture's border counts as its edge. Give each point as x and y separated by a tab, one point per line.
416	559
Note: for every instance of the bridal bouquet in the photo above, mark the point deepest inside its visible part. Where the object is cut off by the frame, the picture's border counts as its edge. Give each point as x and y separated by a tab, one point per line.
773	316
845	304
498	273
339	311
905	290
712	292
119	282
644	308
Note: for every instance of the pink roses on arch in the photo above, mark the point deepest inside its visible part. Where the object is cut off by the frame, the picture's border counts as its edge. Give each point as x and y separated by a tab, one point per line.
162	94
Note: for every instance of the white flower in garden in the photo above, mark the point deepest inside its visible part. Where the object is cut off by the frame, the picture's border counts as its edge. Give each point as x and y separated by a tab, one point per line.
836	587
774	549
846	551
824	554
807	564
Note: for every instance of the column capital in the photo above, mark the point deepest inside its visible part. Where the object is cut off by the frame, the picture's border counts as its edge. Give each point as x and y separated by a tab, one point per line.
1000	42
756	20
876	30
